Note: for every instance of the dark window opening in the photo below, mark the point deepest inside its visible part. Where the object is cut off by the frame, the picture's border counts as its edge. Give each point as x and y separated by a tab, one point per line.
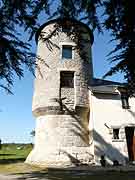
67	79
66	52
116	133
66	29
125	102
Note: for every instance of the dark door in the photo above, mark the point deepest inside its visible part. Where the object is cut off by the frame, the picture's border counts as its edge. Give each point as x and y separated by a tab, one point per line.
134	147
130	137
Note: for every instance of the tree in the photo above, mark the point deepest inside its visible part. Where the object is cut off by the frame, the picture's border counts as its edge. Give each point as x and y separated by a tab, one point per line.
16	14
14	53
119	18
32	133
121	21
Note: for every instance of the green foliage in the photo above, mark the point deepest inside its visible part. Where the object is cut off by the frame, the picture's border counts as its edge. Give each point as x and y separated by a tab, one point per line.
14	52
118	18
121	21
84	10
16	14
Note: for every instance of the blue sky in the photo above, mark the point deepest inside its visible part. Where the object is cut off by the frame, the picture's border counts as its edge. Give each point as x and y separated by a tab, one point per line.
16	116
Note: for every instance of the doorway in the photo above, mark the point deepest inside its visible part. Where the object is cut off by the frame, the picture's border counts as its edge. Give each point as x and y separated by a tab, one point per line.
67	90
130	137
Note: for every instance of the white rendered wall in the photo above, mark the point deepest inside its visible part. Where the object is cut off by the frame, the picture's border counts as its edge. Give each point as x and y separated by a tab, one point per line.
107	109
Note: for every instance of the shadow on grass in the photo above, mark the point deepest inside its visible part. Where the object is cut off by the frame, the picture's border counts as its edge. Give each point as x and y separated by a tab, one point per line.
67	174
11	160
7	154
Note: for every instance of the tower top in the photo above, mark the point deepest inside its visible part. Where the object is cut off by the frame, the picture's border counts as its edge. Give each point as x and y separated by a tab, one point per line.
63	20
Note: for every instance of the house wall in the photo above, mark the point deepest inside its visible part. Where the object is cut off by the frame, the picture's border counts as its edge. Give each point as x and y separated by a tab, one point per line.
107	113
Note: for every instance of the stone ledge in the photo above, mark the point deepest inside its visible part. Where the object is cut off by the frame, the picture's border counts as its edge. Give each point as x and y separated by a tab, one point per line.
56	110
52	110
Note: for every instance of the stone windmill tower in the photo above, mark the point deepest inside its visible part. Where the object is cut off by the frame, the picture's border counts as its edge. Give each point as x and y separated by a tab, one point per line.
61	95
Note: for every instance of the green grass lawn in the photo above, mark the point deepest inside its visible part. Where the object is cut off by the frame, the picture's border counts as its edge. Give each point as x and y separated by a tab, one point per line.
12	157
14	152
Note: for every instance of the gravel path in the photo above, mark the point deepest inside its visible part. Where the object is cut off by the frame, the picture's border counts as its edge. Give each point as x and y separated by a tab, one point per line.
7	177
121	173
22	177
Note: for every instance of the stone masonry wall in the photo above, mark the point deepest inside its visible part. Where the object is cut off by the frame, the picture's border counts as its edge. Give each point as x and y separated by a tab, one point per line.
47	82
62	114
65	144
68	96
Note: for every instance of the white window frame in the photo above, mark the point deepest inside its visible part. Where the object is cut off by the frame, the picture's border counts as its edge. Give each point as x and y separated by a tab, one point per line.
70	51
120	138
61	44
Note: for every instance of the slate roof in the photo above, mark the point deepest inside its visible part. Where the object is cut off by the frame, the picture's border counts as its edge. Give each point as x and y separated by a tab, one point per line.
101	82
105	86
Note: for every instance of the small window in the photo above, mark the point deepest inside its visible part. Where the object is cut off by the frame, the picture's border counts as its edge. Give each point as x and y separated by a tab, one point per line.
66	29
116	133
67	79
66	52
124	100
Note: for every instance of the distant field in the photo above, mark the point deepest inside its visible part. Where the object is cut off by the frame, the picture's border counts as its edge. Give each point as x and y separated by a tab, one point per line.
14	152
12	157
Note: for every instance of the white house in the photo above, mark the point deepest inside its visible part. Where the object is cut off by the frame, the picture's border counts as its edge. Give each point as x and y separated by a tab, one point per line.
113	121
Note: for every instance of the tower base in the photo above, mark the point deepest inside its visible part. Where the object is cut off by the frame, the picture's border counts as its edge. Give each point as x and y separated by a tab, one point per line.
60	158
60	140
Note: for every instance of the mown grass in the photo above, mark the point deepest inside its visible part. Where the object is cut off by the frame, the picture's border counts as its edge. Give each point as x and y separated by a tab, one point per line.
12	157
14	152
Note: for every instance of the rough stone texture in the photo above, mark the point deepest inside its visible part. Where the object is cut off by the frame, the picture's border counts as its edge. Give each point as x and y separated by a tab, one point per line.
47	82
68	96
61	140
62	114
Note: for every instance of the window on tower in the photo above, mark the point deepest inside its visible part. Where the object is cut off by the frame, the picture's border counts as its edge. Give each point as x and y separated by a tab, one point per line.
67	79
66	29
66	52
